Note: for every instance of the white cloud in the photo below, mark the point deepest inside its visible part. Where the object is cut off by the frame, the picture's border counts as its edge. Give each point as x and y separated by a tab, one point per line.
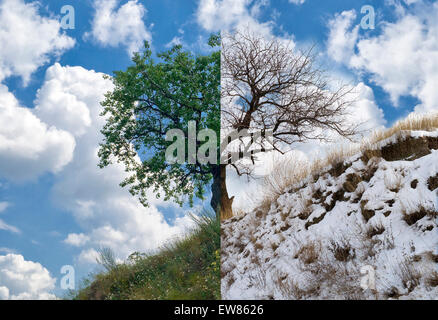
398	4
124	26
225	15
68	104
395	57
24	280
88	256
108	214
341	40
77	240
364	110
6	250
28	39
29	147
216	15
7	227
174	42
402	58
409	2
4	205
4	293
297	2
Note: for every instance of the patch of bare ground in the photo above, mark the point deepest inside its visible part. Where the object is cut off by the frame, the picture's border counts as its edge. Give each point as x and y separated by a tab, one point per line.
432	183
413	217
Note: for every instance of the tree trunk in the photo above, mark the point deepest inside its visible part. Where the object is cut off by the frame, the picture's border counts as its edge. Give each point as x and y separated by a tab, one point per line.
220	201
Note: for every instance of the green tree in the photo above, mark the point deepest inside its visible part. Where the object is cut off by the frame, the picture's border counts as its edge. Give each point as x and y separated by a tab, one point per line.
149	99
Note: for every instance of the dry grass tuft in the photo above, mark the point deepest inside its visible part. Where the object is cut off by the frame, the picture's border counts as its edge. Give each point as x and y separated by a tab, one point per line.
290	289
342	250
375	230
309	252
413	122
283	175
408	274
432	281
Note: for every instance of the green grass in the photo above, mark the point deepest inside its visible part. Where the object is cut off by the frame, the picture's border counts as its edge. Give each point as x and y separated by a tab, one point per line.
186	269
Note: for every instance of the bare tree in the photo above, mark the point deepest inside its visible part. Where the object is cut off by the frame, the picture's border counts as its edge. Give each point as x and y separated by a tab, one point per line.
269	86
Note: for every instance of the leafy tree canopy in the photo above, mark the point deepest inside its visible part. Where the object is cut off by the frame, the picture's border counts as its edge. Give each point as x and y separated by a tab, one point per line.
150	98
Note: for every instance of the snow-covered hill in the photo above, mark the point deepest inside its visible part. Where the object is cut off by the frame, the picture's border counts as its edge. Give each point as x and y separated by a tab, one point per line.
372	217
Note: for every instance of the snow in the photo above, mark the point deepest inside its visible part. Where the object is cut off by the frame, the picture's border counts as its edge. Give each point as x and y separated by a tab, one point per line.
270	256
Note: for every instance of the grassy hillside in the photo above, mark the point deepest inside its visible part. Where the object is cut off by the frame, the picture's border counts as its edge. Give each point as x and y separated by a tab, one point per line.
185	269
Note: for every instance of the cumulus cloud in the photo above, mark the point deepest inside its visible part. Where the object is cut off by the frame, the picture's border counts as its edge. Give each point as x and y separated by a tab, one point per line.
225	15
24	280
76	239
215	15
69	104
28	146
119	27
88	256
402	58
365	111
108	214
29	39
341	41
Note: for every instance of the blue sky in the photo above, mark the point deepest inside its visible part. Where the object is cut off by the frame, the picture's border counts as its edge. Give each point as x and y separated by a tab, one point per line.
57	207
